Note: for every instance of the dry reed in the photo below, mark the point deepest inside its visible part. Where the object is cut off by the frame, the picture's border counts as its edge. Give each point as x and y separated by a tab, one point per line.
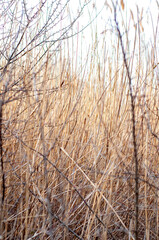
67	150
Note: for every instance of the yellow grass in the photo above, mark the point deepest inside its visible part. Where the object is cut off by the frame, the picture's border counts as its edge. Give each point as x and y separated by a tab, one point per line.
68	151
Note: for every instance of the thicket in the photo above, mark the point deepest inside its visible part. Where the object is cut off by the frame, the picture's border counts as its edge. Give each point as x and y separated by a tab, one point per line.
79	143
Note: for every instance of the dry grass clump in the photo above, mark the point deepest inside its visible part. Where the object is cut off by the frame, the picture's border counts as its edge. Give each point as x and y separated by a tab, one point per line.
68	157
66	144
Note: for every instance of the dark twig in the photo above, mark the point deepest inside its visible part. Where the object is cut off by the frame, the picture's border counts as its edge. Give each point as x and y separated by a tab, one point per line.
133	128
1	152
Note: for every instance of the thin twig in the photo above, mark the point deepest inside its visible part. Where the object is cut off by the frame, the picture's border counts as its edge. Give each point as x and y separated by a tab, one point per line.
133	128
